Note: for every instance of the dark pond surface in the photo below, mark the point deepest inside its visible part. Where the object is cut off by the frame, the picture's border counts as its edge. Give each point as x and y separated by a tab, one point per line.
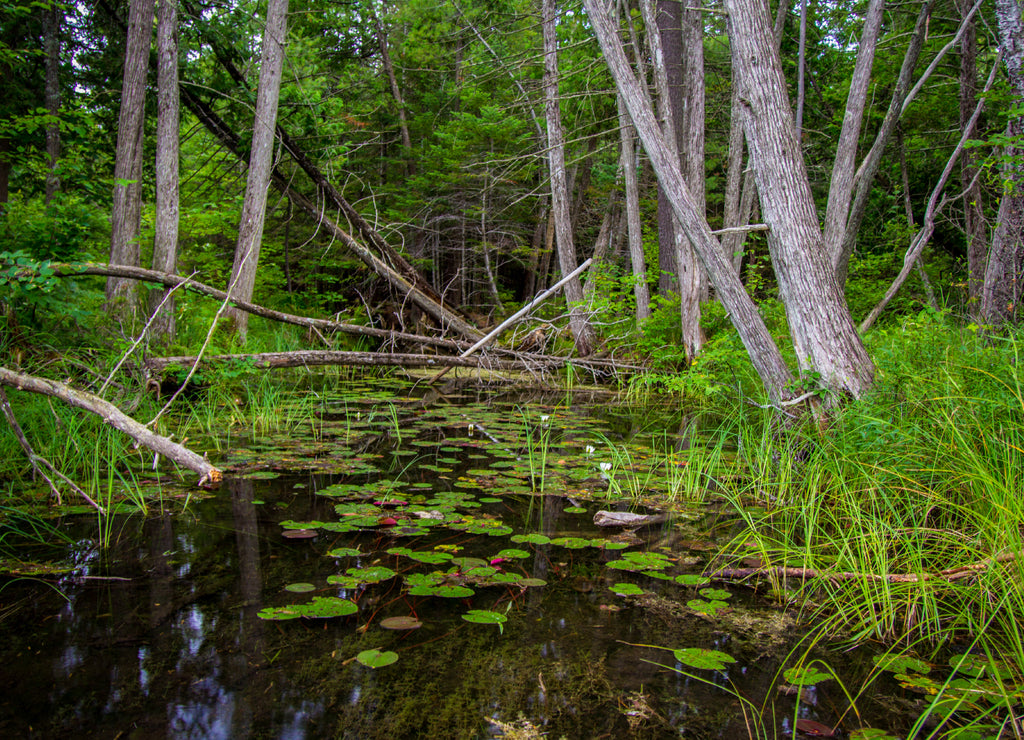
166	632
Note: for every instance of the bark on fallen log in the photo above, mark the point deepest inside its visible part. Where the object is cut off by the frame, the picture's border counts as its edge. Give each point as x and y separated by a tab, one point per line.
208	474
949	575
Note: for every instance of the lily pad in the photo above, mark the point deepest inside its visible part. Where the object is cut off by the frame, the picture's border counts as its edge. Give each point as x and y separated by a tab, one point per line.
279	613
483	616
626	589
344	581
714	660
300	588
532	582
344	552
328	607
299	534
401	623
376	574
901	664
706	607
289	524
377	659
871	733
719	594
692	579
513	554
574	510
571	543
805	676
533	539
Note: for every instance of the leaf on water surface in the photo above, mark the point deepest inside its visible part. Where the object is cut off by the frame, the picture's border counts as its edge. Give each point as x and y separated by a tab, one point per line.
692	579
299	534
344	552
483	616
312	524
446	591
626	589
805	676
513	554
328	607
624	565
901	663
977	666
716	594
574	510
533	539
871	733
481	571
263	475
707	607
657	574
811	728
300	588
279	613
430	558
344	581
532	582
490	500
571	543
401	623
507	578
377	659
374	574
467	563
714	660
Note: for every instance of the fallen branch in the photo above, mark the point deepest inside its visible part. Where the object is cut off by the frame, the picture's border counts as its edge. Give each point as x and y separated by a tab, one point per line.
949	575
209	475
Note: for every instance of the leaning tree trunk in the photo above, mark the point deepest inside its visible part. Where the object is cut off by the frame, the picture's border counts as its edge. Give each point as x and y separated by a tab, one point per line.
127	208
1004	277
760	346
165	241
250	229
823	334
579	323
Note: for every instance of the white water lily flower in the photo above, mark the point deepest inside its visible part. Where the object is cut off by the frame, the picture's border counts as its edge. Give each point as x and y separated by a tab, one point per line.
589	449
544	418
605	467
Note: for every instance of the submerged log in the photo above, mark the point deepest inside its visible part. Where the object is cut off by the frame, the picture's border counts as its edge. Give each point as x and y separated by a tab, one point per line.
209	475
627	519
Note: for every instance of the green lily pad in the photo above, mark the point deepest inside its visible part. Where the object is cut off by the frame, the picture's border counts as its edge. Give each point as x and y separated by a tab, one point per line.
901	664
714	660
805	676
467	563
626	589
532	582
483	616
574	510
279	613
490	500
706	607
377	659
344	581
289	524
328	607
376	574
513	554
431	558
344	552
533	539
692	579
871	733
300	588
975	666
719	594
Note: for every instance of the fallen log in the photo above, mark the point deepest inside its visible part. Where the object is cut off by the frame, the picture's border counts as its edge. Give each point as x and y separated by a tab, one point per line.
208	474
949	575
170	280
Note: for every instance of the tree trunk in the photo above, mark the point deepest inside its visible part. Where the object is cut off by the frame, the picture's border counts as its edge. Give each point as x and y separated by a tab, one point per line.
764	355
975	228
250	230
1004	276
801	71
824	337
634	230
843	167
53	16
579	323
126	213
396	91
165	241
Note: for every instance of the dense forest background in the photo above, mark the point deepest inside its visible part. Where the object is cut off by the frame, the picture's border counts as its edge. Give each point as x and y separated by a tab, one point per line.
420	127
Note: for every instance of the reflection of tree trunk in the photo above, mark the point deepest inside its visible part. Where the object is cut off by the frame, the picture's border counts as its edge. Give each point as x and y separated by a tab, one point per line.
161	572
245	519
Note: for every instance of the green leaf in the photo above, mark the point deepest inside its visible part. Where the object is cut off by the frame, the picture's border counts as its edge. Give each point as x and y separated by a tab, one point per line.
714	660
300	588
483	616
626	589
901	664
376	659
805	676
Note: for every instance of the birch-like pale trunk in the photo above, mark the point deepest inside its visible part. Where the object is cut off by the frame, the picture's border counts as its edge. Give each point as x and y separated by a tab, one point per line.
822	331
579	323
634	230
764	355
975	226
126	211
165	240
250	229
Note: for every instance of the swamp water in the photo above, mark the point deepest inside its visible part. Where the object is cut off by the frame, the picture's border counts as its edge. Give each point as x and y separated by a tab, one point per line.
383	567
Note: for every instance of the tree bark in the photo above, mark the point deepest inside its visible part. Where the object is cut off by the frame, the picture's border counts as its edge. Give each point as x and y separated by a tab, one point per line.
764	355
975	228
801	71
843	167
824	337
250	230
579	323
116	418
165	241
396	91
53	17
127	207
1004	275
634	229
